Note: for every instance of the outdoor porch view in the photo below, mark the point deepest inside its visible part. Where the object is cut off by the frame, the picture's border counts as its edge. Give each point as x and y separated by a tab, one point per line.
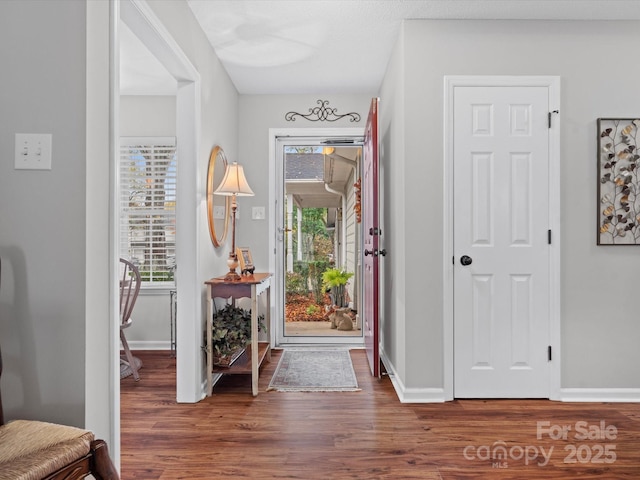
322	240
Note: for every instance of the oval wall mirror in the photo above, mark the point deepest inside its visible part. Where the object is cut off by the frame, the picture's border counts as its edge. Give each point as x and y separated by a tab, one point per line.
218	206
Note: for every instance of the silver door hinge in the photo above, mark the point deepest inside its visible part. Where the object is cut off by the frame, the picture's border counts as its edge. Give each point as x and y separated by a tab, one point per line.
549	352
549	237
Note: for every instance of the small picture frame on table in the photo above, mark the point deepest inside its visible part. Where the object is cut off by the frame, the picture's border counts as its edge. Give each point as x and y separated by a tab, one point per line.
246	262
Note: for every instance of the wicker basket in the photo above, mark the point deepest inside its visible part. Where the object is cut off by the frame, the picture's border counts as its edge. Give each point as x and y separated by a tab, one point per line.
227	360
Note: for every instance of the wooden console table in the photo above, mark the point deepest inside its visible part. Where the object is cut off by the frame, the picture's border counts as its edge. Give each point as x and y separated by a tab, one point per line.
249	286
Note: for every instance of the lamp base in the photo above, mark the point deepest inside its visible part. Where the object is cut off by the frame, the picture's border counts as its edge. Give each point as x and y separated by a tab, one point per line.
232	277
232	262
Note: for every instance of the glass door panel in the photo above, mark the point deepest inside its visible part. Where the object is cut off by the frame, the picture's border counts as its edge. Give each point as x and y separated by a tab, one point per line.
320	240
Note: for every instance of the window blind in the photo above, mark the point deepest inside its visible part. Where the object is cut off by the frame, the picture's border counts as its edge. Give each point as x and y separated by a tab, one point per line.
148	207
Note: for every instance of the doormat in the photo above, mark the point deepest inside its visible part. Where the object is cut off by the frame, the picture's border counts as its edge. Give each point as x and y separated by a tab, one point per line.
314	371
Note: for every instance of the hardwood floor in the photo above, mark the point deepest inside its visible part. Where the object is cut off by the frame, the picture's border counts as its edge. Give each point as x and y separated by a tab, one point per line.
364	435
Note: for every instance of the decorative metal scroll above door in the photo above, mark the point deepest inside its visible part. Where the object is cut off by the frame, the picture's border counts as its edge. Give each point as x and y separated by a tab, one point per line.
323	113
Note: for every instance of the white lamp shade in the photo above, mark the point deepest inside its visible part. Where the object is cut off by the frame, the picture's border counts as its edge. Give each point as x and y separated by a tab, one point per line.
234	182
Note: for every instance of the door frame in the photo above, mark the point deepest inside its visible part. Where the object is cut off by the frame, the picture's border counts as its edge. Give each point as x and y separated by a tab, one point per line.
553	84
276	176
144	23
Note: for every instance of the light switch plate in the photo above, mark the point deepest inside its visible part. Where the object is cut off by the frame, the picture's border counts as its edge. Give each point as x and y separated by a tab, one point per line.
33	151
257	213
218	212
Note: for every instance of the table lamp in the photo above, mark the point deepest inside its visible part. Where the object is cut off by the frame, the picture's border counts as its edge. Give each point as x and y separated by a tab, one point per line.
233	184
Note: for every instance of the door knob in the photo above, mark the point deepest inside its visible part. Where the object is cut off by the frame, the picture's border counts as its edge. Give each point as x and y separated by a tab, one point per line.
369	252
466	260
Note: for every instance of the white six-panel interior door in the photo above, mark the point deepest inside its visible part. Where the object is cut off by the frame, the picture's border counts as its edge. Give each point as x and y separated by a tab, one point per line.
502	251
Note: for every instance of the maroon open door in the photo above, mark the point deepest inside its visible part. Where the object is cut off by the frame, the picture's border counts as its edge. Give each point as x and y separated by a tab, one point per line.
371	233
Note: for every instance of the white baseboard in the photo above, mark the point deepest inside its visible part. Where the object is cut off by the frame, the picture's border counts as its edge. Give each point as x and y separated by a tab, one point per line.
150	345
436	395
631	395
410	395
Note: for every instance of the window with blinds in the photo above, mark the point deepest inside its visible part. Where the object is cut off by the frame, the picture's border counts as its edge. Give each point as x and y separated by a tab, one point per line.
148	207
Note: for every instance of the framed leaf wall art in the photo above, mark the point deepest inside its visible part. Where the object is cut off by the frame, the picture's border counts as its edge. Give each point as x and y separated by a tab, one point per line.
618	181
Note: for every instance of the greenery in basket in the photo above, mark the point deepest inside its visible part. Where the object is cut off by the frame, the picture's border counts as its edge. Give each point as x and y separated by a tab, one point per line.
333	277
335	280
232	329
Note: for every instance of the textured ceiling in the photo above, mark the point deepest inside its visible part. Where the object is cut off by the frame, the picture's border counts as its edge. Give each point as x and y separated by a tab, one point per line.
343	46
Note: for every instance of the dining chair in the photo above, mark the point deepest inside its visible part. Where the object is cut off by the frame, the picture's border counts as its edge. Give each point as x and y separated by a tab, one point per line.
129	289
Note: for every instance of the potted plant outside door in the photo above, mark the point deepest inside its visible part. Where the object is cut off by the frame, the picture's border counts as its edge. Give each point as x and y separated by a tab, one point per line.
335	281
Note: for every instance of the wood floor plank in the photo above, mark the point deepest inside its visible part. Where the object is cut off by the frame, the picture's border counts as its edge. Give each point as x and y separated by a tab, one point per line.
367	434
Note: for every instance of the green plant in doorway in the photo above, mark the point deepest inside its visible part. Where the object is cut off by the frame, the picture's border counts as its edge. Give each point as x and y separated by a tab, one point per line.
335	280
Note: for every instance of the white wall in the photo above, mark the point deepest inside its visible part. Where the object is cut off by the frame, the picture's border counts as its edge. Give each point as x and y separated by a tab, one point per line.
148	115
393	215
599	328
42	213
